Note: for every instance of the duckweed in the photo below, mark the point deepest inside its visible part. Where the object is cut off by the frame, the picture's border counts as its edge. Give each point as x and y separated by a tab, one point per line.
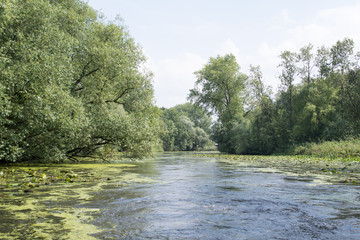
40	202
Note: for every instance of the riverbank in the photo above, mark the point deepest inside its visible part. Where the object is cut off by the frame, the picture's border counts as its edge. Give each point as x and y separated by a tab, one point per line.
344	149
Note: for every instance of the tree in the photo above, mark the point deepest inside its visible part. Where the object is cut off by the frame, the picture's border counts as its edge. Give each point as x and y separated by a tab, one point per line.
287	77
261	133
324	106
322	62
306	58
197	115
352	99
314	111
183	131
258	94
341	60
341	55
219	88
71	84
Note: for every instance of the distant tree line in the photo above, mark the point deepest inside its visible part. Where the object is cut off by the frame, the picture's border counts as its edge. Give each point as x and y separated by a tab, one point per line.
323	105
186	128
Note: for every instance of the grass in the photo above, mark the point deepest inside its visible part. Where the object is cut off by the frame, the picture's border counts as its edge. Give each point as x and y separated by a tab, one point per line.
345	149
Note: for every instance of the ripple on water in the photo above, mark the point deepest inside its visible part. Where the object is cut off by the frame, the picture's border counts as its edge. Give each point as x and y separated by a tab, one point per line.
180	197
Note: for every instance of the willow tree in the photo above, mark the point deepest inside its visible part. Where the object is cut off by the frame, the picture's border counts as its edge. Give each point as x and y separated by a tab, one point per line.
219	89
71	85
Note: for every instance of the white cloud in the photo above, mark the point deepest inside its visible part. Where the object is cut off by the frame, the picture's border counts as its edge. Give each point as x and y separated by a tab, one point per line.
174	77
326	27
228	47
341	15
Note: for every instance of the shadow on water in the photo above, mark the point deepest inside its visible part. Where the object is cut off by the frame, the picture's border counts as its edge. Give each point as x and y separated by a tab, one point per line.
177	196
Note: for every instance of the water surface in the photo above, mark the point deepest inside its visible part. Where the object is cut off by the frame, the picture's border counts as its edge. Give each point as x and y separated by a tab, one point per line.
196	198
182	197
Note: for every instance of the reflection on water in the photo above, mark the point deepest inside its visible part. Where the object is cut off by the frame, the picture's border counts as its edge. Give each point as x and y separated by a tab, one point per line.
181	197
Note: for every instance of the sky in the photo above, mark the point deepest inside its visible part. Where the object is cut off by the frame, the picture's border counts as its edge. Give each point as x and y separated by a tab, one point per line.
179	36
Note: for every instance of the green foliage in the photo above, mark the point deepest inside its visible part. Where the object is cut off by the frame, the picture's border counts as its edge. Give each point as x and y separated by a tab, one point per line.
263	131
341	55
324	106
352	100
307	62
287	77
323	62
71	85
219	87
321	107
314	110
197	115
186	128
261	138
222	135
331	149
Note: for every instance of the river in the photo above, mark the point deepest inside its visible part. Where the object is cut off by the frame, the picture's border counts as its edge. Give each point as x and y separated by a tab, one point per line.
183	197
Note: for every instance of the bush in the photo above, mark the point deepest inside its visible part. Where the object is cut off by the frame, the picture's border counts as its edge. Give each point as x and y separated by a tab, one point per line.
331	149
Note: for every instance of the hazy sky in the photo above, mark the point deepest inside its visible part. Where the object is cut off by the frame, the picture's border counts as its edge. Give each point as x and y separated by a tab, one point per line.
179	36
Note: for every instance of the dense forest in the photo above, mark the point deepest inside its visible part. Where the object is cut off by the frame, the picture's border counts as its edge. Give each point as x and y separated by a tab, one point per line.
73	84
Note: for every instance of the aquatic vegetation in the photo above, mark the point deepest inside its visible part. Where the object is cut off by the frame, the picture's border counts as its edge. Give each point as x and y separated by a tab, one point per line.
42	201
337	170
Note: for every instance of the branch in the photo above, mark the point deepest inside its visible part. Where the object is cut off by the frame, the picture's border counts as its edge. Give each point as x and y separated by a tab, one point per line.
87	150
120	96
22	88
84	74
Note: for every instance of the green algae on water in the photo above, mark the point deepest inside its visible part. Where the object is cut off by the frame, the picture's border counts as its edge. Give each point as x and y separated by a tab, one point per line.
48	202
